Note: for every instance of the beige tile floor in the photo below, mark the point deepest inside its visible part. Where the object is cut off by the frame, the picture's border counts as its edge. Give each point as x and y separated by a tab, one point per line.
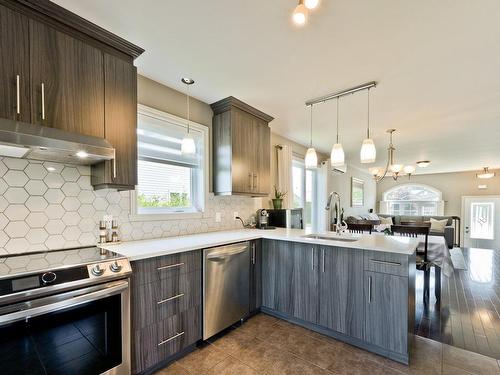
269	346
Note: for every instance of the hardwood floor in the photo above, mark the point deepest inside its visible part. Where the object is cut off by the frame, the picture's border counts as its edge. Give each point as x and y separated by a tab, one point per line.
469	314
264	345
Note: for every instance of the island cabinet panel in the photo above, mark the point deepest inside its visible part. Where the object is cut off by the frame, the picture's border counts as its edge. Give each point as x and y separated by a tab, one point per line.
67	82
14	66
305	281
387	311
277	276
256	275
341	291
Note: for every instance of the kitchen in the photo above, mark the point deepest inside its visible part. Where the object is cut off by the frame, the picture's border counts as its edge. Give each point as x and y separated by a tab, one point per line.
101	273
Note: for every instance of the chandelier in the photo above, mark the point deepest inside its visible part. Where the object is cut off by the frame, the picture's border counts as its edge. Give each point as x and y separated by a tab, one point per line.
391	168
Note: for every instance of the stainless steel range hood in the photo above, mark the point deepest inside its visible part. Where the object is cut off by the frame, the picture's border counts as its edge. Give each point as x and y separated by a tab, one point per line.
23	140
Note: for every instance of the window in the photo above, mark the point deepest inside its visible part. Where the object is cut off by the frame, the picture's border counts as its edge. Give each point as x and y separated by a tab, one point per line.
482	220
304	189
168	181
412	199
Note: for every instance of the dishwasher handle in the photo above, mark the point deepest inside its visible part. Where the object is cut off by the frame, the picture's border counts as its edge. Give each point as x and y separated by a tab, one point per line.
226	253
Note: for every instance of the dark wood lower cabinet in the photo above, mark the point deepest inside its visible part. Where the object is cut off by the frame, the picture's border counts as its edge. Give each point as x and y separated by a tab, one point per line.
255	275
166	298
387	311
305	280
341	291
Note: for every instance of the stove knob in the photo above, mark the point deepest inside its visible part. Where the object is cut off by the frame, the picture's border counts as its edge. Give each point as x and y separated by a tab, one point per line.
115	267
97	270
48	277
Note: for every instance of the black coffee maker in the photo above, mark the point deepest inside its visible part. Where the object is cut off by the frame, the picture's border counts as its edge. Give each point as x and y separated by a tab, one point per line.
263	219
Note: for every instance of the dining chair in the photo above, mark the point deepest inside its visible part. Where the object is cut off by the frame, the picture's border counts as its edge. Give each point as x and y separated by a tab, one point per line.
422	262
360	228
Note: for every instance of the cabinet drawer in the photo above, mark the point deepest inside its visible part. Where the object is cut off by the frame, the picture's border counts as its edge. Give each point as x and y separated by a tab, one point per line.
155	269
157	342
156	301
394	264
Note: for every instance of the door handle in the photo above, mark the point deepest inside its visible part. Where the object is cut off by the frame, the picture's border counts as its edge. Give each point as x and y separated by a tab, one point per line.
43	101
369	289
18	95
323	259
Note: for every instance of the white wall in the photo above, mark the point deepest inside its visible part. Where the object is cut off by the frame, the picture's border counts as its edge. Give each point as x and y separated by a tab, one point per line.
342	185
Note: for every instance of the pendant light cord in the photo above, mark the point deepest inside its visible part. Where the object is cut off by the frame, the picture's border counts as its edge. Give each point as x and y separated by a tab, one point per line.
338	119
187	98
311	137
368	127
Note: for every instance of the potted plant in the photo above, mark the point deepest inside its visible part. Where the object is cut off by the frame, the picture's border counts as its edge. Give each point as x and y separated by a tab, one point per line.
278	198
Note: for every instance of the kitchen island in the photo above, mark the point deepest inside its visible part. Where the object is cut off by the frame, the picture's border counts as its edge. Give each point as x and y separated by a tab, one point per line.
359	289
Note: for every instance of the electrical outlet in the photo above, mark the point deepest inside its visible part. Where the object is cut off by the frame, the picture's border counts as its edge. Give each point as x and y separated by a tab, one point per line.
217	217
235	215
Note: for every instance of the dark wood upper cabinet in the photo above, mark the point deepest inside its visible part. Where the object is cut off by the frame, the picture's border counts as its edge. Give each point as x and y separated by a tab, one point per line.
67	82
60	70
14	66
241	149
120	79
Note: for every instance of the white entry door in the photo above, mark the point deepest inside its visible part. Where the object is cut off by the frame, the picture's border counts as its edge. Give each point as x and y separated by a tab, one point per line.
482	222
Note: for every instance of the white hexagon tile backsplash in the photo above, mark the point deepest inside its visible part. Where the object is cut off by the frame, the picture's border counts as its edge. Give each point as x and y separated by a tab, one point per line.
47	210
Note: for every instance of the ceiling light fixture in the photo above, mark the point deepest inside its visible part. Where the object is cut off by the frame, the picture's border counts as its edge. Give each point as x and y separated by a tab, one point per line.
311	159
482	187
337	156
300	13
395	169
485	174
82	154
423	163
311	4
368	153
188	147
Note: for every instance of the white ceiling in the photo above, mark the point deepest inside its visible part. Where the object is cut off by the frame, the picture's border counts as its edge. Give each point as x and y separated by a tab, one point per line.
437	64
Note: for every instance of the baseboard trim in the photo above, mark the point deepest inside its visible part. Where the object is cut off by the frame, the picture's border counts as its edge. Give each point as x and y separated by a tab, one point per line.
398	357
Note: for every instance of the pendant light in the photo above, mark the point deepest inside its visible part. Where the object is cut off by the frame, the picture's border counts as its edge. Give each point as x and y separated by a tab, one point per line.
311	159
337	156
485	174
188	147
368	153
311	4
299	15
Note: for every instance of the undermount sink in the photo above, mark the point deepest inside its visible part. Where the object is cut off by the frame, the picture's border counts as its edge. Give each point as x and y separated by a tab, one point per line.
348	238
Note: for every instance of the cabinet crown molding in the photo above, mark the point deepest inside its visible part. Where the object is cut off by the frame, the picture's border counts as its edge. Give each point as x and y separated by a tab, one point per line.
50	11
226	104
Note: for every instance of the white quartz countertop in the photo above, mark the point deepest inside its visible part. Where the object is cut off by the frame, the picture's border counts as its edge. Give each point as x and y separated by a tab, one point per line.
136	250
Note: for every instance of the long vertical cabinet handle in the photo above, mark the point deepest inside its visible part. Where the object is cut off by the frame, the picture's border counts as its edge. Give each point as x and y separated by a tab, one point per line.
250	184
43	101
253	253
369	289
323	259
312	258
114	163
18	95
255	181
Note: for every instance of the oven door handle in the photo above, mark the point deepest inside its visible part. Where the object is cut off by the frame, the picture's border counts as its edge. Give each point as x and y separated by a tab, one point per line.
94	293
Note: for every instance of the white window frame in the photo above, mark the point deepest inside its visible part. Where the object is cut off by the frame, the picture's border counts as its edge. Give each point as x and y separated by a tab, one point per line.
177	214
385	204
300	160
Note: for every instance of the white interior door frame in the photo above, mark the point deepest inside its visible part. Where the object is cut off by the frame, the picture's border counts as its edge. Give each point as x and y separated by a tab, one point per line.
462	212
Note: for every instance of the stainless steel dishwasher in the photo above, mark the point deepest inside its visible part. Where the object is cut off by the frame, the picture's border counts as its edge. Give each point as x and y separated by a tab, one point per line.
226	273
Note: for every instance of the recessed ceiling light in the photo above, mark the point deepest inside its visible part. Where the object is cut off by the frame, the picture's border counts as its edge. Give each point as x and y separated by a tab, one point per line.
82	154
423	163
485	174
187	81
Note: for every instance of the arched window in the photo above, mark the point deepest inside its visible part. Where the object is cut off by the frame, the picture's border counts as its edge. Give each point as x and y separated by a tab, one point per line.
412	199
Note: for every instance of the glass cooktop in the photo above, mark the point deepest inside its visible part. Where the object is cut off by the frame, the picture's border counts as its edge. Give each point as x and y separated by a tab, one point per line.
19	264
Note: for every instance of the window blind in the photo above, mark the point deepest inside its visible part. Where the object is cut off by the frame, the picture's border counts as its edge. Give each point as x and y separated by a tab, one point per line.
160	141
